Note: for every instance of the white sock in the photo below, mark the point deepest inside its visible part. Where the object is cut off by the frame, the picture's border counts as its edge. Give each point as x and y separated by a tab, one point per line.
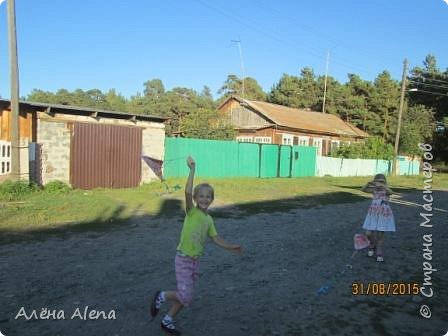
160	299
167	319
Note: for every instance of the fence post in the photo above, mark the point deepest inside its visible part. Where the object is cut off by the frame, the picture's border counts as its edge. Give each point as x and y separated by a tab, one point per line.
279	159
291	157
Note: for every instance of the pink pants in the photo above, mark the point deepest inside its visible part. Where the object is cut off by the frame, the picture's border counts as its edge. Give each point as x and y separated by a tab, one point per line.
186	275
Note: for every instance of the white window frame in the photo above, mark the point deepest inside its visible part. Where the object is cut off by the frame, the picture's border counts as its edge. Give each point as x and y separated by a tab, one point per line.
245	139
287	139
317	142
304	140
5	157
263	139
335	142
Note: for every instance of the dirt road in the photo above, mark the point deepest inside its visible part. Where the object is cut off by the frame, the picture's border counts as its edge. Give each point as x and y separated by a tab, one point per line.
271	290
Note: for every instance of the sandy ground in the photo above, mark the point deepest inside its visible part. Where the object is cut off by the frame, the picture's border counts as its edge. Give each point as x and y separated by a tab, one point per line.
272	289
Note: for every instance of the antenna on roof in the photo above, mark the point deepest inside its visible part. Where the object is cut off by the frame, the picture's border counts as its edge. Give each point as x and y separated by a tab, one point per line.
242	64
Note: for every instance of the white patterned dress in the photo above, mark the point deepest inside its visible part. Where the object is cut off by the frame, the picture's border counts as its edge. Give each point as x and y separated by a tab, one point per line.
379	216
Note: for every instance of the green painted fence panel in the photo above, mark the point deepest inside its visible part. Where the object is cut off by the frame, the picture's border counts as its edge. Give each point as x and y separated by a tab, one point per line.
408	167
231	159
285	161
269	161
382	167
303	161
213	158
248	159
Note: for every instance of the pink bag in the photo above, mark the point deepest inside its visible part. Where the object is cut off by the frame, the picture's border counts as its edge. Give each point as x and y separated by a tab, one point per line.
361	241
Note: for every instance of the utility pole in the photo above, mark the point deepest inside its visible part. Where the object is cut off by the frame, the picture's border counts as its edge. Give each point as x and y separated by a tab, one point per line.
14	72
400	113
242	64
325	84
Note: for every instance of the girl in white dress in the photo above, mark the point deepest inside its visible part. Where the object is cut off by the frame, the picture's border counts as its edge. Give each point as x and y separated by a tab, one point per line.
379	217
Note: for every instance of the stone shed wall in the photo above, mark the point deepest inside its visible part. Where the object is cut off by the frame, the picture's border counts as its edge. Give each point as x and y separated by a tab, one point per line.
54	141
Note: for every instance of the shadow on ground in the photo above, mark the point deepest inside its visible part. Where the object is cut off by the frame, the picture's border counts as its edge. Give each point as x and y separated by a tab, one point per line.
398	190
174	208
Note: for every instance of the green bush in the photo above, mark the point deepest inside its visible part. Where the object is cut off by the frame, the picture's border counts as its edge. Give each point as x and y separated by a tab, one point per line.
12	190
371	148
57	187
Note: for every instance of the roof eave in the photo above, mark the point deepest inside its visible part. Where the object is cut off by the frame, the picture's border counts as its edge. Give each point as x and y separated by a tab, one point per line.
68	109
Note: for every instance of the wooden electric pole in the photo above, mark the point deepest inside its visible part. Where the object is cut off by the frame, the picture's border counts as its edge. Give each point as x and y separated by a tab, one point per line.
400	113
325	83
14	73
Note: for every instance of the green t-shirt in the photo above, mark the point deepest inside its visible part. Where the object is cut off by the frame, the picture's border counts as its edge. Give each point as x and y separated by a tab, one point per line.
197	226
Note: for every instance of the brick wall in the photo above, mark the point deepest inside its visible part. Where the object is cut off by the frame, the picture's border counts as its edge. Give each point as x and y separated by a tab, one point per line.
153	142
54	141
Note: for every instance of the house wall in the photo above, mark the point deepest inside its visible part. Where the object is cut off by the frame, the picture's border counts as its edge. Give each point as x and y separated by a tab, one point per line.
153	144
242	116
277	137
25	125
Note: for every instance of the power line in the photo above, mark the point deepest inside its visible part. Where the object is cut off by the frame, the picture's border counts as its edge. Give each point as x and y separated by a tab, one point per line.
312	30
434	93
255	26
432	85
434	80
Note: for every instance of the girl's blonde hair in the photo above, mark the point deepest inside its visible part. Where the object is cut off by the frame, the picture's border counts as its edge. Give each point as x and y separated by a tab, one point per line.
380	177
203	186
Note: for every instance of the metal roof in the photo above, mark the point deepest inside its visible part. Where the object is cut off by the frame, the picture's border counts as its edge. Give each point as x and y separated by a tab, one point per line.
303	119
76	110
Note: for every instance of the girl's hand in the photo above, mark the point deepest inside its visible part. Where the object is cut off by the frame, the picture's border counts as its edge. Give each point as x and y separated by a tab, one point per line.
237	249
190	163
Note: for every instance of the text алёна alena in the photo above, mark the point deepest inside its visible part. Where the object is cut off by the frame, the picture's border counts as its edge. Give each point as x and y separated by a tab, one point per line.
79	313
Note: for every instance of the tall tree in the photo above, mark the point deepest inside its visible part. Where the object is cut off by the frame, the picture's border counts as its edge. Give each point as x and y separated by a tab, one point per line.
233	86
298	92
384	101
429	87
207	124
286	91
418	126
154	88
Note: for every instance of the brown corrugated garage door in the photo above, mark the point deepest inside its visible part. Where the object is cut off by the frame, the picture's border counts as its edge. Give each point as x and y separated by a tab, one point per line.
106	156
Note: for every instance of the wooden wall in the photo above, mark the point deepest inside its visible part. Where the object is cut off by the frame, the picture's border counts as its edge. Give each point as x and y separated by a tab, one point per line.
26	124
242	116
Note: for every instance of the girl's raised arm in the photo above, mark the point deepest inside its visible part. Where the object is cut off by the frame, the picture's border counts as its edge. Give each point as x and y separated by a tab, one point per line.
189	186
369	187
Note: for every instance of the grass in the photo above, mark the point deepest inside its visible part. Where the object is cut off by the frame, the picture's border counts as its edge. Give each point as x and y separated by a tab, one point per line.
38	211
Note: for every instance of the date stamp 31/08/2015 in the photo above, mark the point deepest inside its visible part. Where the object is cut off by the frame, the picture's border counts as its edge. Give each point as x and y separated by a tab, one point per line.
385	288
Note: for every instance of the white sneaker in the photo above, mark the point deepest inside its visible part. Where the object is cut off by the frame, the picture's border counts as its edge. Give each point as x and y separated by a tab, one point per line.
370	253
379	259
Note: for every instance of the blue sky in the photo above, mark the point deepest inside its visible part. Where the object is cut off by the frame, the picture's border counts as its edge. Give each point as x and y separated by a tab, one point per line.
121	44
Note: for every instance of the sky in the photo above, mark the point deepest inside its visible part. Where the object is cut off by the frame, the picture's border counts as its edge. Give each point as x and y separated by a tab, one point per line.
99	44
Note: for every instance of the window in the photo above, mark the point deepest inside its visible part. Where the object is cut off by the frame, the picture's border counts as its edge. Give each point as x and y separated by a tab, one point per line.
334	145
317	142
287	139
304	141
266	140
244	139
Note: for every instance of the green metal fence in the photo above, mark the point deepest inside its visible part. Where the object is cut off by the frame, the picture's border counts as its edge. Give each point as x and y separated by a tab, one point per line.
303	161
233	159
